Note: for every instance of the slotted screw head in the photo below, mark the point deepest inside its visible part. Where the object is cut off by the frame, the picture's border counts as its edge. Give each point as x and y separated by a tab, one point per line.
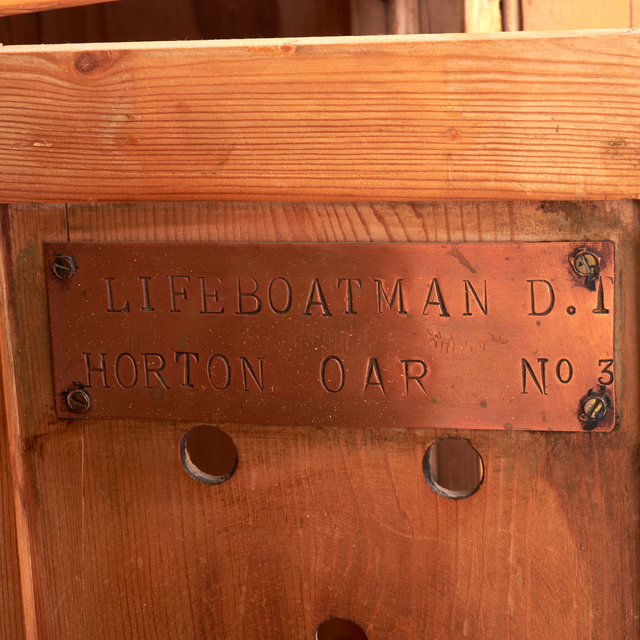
594	409
78	401
586	264
63	267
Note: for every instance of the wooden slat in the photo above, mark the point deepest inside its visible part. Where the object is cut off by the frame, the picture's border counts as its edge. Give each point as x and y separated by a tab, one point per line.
368	17
482	16
538	15
316	522
11	613
511	15
437	16
24	413
404	117
11	7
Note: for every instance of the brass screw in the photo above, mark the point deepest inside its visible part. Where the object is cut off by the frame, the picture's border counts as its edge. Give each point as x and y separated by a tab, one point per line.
64	267
586	264
78	400
594	409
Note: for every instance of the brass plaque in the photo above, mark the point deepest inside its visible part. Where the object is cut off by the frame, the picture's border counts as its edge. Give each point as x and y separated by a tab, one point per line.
462	336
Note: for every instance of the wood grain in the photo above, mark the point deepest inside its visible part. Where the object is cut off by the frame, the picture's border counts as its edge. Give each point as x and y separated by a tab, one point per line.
404	117
320	522
11	613
18	273
11	7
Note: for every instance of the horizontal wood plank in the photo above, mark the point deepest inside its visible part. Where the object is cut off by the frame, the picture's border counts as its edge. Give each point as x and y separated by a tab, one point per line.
11	7
504	116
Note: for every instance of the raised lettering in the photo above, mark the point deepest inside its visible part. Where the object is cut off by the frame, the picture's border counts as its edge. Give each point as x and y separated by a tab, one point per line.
146	305
382	295
246	367
225	362
181	294
434	288
187	368
468	287
323	381
373	370
102	369
551	294
316	291
350	311
156	371
110	309
526	369
253	295
287	304
134	367
206	296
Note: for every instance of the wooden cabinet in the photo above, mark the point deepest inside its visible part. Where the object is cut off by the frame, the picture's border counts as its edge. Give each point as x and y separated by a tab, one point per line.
453	139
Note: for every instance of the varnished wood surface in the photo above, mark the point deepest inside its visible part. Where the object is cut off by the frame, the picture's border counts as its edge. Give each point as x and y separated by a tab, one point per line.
320	522
18	273
13	7
11	613
410	117
136	20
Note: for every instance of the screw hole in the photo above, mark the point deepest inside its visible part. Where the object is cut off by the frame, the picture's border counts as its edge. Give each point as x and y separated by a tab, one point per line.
339	629
208	454
452	468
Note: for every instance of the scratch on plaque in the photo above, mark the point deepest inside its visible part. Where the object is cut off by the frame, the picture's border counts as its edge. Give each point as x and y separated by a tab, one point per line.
457	254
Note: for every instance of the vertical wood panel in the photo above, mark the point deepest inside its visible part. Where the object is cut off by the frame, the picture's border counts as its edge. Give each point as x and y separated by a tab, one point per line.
149	20
11	613
26	372
372	17
482	16
544	15
319	522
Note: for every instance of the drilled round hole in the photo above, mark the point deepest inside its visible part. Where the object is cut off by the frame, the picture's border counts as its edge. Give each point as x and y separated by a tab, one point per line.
452	468
339	629
208	454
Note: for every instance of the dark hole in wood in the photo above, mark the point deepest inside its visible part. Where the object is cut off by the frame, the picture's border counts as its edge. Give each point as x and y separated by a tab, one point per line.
453	468
339	629
208	454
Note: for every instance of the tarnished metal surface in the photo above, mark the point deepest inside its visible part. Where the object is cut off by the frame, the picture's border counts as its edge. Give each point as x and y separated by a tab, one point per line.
468	336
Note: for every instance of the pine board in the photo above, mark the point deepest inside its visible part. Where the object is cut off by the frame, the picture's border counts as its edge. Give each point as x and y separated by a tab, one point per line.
11	614
321	522
445	117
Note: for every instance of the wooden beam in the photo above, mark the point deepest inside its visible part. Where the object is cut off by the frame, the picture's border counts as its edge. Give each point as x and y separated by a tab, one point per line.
509	116
11	7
